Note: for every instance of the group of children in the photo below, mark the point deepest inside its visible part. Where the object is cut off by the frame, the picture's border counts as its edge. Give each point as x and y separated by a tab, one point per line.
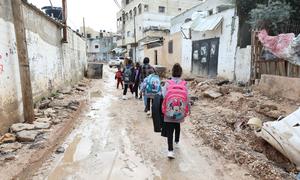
172	101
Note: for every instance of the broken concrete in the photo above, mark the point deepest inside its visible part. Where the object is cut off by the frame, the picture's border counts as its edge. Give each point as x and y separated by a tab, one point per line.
27	136
42	125
43	120
212	94
10	147
21	126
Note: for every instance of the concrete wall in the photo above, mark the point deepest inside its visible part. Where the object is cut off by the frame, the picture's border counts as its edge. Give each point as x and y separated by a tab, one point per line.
52	64
228	42
243	64
279	86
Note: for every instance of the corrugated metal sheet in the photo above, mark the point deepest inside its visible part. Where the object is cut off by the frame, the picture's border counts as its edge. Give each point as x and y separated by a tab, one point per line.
207	24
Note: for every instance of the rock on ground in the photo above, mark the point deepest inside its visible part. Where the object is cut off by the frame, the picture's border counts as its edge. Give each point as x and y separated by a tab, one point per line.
21	126
212	94
42	125
7	138
10	147
27	136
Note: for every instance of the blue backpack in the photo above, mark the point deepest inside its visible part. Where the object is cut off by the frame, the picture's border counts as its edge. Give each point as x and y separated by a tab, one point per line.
153	85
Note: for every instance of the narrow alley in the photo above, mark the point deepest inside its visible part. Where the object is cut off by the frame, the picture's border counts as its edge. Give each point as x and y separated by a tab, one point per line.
224	75
116	141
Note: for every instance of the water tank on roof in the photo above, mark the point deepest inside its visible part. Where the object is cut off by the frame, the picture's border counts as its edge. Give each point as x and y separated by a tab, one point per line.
55	12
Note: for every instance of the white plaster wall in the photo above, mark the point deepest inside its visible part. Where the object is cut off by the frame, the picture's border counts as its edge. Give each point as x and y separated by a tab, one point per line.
228	35
53	65
45	63
228	45
243	64
10	94
186	60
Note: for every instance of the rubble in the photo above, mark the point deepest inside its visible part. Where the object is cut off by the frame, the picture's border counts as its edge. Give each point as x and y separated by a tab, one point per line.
80	89
10	147
44	104
21	126
220	120
66	90
212	94
9	157
56	121
27	136
60	150
43	120
7	138
42	125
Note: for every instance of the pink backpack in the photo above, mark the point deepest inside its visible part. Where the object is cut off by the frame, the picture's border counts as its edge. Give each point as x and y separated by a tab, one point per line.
175	105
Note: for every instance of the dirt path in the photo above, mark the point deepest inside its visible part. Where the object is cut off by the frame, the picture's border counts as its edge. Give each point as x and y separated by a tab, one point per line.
116	141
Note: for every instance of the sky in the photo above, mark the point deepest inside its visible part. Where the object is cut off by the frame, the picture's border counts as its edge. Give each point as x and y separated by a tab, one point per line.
98	14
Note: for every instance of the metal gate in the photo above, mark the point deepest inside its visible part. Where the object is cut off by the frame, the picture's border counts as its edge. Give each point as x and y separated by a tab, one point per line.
205	57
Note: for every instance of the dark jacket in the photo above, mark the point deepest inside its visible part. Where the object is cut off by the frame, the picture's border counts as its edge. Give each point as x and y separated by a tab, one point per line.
147	69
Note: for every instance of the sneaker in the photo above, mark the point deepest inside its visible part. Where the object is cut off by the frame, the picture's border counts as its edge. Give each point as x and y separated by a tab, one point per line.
171	155
176	145
124	97
148	113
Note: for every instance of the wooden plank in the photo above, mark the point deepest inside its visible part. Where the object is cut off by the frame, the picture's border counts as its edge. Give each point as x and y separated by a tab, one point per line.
23	60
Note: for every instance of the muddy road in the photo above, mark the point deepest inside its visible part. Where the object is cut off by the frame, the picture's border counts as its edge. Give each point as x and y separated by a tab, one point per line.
115	140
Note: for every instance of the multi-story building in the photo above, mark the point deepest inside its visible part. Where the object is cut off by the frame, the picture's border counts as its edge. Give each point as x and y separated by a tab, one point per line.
100	44
141	22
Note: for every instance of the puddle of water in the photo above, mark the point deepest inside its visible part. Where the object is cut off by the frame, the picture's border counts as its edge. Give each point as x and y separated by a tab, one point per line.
68	158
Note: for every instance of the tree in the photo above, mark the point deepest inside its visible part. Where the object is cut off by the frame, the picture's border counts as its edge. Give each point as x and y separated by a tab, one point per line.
272	16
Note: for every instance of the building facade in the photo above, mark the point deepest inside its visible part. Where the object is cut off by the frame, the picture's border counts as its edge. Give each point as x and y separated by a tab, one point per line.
143	22
203	40
100	45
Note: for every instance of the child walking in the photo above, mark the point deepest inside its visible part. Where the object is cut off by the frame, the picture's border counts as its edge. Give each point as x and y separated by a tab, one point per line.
175	107
129	78
118	77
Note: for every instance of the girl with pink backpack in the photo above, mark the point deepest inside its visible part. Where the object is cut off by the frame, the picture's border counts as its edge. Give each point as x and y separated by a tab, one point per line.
175	107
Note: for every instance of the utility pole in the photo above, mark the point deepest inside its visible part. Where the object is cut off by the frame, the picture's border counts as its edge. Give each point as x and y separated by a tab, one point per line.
65	16
135	45
84	32
23	61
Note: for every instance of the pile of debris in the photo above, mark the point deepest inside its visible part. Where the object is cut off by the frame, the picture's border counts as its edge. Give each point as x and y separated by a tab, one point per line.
49	112
220	118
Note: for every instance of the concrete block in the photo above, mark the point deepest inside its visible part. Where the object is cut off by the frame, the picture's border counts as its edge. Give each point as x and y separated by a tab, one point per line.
95	70
285	87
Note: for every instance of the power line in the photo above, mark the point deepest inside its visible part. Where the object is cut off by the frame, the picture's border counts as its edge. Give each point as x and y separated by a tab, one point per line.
117	3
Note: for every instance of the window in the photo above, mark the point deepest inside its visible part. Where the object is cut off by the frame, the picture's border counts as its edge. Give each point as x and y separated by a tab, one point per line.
170	47
126	16
88	35
134	11
128	33
179	9
127	1
210	12
146	8
161	9
96	46
140	8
